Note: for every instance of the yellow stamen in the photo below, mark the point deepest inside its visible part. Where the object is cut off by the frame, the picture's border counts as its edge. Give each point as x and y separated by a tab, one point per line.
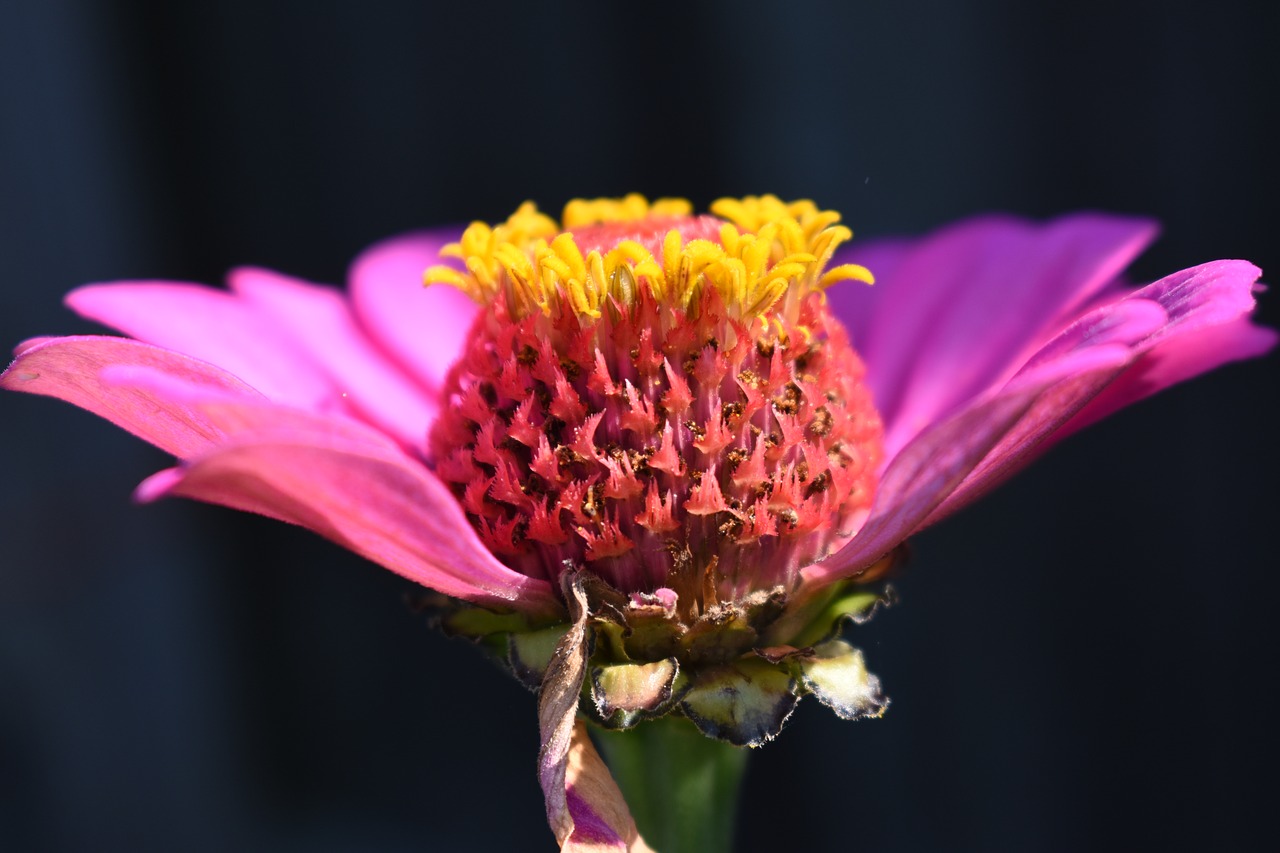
769	250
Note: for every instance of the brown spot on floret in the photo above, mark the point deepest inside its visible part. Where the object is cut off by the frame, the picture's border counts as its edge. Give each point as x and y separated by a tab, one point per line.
787	401
820	484
731	528
822	421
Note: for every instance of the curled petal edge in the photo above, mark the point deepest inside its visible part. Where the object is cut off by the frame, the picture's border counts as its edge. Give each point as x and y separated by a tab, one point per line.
962	457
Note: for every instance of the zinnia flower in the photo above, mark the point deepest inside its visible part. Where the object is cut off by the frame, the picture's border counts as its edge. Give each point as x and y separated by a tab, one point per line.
654	460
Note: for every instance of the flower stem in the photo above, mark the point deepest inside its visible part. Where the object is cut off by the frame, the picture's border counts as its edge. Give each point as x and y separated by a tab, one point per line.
681	787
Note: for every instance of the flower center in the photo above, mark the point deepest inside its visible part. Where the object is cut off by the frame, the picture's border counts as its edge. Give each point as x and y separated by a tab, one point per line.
660	398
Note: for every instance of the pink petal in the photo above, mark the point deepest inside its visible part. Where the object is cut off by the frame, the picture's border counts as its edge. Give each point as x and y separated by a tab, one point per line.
964	307
32	342
423	328
214	326
378	503
320	323
234	415
72	368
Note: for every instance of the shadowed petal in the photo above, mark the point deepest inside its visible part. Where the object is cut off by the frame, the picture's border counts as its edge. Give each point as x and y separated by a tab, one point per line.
72	369
379	503
963	308
424	328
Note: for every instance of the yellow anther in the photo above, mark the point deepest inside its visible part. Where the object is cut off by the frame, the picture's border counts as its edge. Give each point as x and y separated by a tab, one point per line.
768	251
582	212
447	275
846	272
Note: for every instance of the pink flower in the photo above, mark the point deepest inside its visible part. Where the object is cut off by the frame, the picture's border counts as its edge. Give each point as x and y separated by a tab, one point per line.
984	344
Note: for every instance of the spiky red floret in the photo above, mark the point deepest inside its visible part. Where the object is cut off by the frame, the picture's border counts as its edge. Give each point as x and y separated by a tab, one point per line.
653	445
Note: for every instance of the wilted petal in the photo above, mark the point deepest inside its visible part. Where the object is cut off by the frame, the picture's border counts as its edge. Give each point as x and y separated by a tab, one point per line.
558	707
377	502
601	820
585	809
72	369
424	328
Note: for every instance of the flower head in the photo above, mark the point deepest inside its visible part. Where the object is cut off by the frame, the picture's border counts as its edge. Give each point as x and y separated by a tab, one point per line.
661	399
643	459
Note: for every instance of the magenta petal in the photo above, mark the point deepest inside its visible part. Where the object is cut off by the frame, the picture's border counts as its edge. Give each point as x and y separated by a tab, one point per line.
601	819
380	504
1196	352
920	477
857	304
964	307
424	328
1201	306
320	322
214	326
72	369
959	459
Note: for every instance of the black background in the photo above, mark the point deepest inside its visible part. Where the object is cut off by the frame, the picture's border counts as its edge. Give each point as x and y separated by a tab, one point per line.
1084	661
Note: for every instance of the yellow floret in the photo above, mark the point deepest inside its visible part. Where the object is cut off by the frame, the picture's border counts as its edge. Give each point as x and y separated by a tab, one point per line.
768	250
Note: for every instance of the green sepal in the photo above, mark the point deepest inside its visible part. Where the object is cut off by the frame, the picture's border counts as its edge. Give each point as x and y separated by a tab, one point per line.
626	693
837	675
745	702
824	617
529	653
476	622
610	638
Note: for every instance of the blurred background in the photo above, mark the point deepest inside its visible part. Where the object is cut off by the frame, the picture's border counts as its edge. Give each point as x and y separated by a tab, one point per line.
1083	661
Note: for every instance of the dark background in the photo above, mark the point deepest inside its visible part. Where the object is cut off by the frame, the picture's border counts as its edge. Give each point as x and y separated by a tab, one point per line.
1084	661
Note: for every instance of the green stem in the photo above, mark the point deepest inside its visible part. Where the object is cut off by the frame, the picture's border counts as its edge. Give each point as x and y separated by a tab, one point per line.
681	787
